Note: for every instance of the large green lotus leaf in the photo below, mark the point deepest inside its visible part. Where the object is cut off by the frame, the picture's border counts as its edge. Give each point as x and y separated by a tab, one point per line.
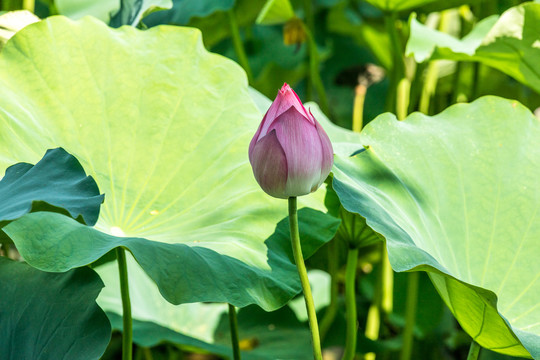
50	316
510	44
163	126
457	195
13	21
56	183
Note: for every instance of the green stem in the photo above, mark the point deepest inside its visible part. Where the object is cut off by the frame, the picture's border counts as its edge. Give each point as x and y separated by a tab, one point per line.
5	5
373	322
358	107
403	97
430	84
387	293
174	353
476	80
398	69
233	324
332	309
350	301
474	351
302	272
147	353
432	74
238	44
315	76
310	23
5	248
410	317
308	15
457	94
29	5
127	337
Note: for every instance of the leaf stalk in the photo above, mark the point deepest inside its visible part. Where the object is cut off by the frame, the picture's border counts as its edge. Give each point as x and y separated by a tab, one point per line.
350	302
127	337
233	324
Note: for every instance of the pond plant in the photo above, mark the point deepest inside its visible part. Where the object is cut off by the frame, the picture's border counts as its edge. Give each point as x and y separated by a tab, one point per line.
144	170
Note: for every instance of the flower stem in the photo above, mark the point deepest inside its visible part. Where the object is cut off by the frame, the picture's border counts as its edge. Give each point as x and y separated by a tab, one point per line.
373	321
350	301
299	260
410	316
474	351
238	45
127	338
233	324
331	310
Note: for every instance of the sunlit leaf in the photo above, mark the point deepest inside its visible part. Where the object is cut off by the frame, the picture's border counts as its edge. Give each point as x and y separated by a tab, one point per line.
457	195
13	21
425	40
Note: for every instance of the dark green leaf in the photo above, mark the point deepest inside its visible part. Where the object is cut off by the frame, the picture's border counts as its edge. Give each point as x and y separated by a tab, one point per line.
52	242
50	316
56	183
183	11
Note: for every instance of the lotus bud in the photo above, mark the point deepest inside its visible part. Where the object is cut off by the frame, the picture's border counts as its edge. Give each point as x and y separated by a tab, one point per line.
290	154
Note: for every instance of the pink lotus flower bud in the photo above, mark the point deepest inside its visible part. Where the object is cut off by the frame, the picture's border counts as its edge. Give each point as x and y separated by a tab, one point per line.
290	154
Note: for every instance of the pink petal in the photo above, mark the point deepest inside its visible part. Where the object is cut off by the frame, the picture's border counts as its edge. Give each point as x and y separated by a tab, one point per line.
327	152
285	99
269	165
300	142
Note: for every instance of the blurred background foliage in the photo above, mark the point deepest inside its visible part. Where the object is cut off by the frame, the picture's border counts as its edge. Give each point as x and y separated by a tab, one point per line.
354	50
